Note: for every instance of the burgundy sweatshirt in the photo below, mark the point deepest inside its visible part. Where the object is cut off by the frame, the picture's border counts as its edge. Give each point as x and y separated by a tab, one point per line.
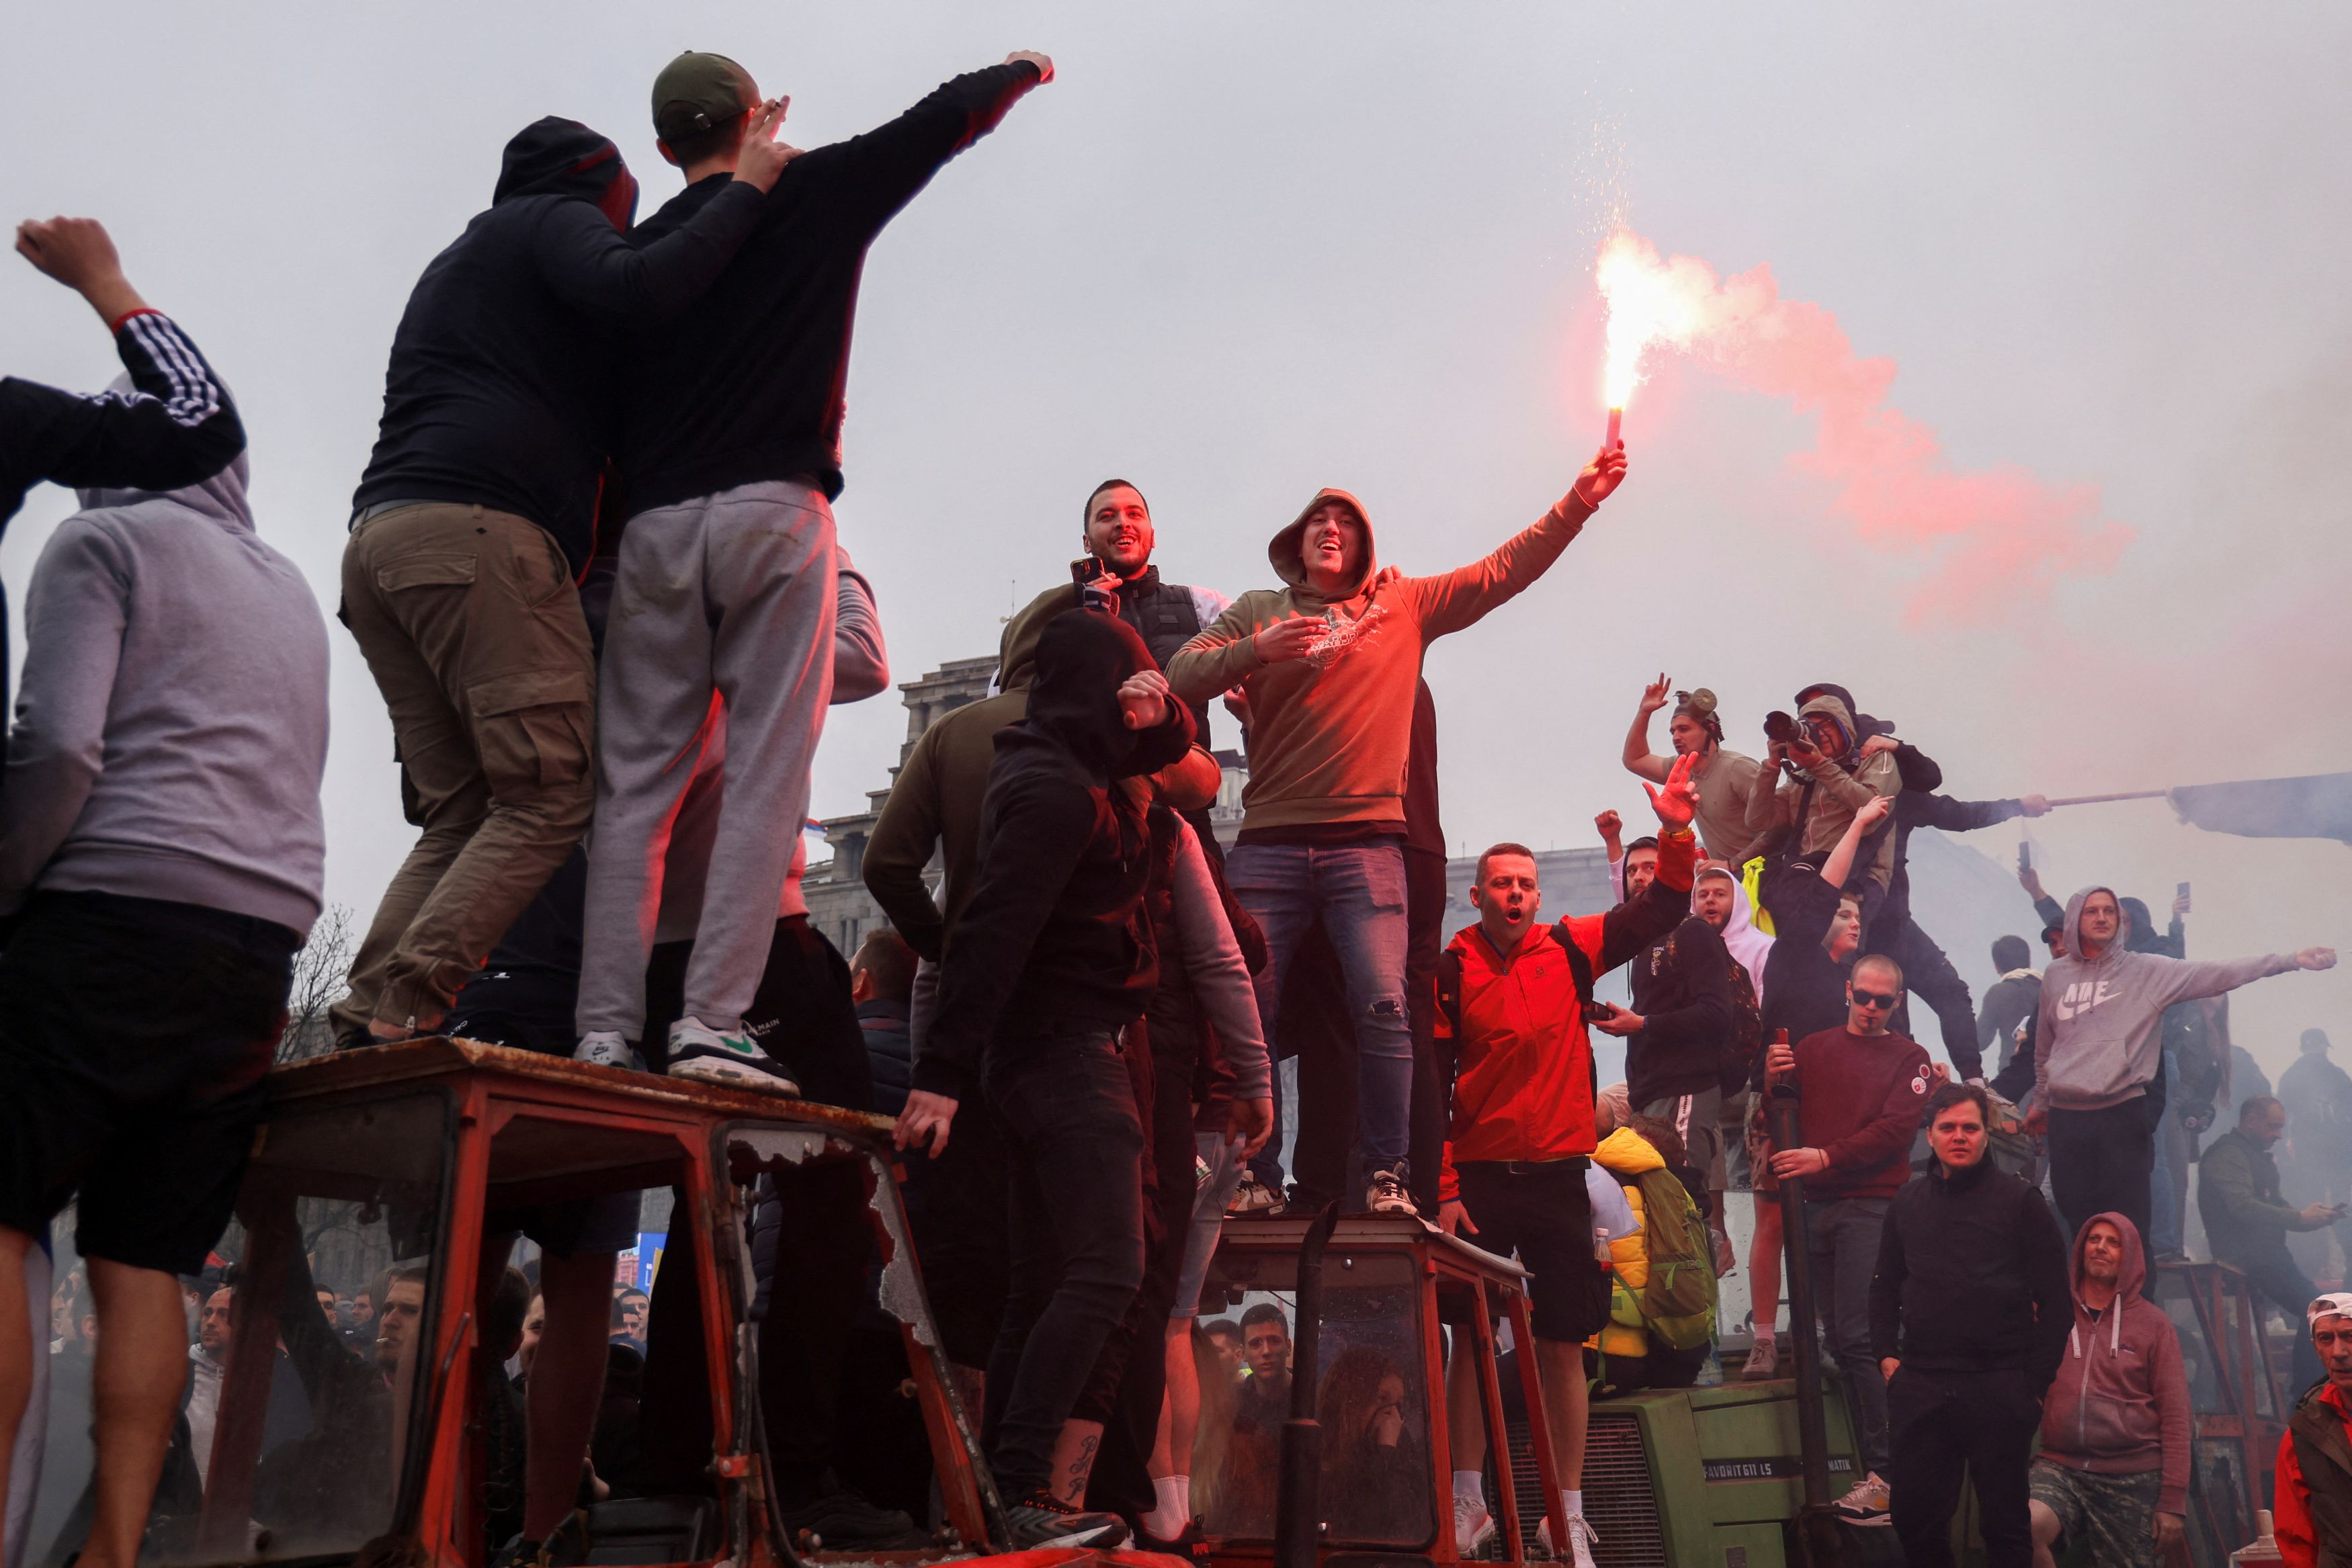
1859	1102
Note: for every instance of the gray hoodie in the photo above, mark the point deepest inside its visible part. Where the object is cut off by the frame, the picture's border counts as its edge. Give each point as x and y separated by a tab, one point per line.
172	727
2098	1037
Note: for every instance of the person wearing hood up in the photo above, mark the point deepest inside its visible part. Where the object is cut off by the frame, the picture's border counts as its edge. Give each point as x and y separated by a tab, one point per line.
470	528
1969	1311
1328	663
730	450
1893	931
1051	961
2113	1473
2312	1495
162	856
1824	777
2096	1050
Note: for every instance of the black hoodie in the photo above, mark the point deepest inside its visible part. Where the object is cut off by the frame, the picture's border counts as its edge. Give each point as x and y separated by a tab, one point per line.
1055	932
500	391
748	385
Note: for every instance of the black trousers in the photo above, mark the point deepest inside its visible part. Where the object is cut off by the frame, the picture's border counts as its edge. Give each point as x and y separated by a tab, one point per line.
1075	1148
2100	1161
1947	1424
1928	974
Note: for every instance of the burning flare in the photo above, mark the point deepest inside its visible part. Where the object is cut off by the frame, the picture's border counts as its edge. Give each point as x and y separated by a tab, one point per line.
1999	536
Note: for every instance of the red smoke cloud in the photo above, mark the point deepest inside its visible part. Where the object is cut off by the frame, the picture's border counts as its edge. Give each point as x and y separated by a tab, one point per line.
1996	535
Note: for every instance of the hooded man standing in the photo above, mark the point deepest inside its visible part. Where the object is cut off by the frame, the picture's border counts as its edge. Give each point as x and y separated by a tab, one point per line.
1330	665
473	523
2313	1497
2114	1468
731	447
1050	963
162	856
2096	1048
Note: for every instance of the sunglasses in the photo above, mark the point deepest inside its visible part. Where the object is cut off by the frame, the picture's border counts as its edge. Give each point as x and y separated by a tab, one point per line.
1873	999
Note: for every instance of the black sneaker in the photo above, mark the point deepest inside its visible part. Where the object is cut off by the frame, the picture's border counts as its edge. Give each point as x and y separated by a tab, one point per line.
566	1546
1042	1519
1187	1545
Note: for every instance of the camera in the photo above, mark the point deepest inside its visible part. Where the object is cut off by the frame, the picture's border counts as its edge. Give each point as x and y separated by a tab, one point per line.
1779	726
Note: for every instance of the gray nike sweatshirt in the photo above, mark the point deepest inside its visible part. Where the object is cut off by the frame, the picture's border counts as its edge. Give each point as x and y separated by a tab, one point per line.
171	730
2097	1040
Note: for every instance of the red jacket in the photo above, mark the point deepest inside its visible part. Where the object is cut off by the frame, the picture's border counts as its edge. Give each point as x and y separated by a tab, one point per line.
2291	1526
1522	1075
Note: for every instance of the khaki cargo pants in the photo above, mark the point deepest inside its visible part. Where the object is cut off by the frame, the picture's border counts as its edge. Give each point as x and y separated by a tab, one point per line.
469	622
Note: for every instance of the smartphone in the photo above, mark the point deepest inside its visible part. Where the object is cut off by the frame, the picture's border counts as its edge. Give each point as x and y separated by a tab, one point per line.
2182	895
2024	855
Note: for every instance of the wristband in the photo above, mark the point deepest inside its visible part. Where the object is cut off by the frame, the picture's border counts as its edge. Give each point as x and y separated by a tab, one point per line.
1679	835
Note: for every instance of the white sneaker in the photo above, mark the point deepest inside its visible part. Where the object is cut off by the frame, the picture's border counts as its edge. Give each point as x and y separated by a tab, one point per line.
1867	1503
1581	1538
1473	1525
1763	1358
608	1048
1386	1194
705	1055
1252	1197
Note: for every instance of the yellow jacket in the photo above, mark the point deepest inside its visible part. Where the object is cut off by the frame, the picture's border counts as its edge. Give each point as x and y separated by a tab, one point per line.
1626	1154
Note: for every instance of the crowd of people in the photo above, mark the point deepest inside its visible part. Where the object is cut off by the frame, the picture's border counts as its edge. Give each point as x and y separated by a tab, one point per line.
592	567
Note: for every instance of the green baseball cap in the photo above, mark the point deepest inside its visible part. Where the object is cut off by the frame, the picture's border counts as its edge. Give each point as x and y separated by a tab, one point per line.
696	92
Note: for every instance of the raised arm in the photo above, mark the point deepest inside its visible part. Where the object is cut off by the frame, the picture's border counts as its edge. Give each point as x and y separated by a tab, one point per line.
1640	760
592	267
2187	979
176	426
880	172
1840	866
1629	927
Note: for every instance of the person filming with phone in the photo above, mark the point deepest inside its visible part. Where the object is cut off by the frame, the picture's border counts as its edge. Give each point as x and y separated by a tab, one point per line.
2247	1218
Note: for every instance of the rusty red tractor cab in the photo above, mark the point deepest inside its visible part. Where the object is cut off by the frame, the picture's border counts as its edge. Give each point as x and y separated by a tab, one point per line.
398	1445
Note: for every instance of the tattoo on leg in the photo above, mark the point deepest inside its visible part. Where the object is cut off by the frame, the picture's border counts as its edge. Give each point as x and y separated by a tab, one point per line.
1073	1484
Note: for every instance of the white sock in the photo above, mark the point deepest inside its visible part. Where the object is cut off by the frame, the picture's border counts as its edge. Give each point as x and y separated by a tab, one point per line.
1572	1502
1175	1508
1470	1486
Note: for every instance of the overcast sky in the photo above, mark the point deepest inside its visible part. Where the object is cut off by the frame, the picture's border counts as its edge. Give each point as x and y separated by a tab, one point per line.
1235	253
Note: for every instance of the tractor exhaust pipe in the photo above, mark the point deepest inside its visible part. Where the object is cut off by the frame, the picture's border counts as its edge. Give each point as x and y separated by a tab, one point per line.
1819	1542
1298	1482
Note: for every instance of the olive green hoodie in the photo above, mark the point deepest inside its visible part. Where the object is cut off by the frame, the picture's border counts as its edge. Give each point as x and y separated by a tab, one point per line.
1328	733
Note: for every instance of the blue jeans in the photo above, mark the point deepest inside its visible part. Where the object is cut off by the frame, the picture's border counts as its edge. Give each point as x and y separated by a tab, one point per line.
1357	893
1844	1233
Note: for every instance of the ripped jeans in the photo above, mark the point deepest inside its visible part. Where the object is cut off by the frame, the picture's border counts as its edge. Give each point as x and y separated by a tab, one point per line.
1357	893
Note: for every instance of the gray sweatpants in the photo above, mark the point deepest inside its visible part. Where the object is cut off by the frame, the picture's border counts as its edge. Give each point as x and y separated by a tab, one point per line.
732	593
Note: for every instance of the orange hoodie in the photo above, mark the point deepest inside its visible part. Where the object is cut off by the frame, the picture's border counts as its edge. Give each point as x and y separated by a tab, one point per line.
1329	733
